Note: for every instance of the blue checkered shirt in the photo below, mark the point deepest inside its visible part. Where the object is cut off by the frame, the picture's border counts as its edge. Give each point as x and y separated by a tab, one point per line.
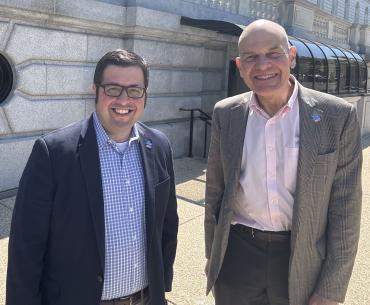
124	215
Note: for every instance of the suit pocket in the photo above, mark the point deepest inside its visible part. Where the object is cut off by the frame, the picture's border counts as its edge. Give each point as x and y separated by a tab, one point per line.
324	162
162	191
325	158
162	184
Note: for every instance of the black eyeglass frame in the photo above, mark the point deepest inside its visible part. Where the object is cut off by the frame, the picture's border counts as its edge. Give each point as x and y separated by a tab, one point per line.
123	88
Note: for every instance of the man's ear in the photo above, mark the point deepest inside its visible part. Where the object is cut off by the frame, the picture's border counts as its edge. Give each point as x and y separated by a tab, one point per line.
237	62
292	56
93	88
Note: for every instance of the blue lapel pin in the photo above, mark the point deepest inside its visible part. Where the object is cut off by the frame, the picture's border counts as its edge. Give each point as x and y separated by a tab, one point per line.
148	143
316	117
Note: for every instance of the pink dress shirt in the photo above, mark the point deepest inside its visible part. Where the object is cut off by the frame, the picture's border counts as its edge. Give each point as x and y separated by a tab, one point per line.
268	172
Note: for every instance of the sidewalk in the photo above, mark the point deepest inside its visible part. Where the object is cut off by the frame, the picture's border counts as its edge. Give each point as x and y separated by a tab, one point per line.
189	282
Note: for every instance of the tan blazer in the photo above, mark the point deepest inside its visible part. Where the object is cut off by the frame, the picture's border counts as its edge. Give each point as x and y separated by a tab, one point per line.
327	206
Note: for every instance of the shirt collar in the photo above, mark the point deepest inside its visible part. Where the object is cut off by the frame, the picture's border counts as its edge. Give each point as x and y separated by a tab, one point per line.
102	137
254	105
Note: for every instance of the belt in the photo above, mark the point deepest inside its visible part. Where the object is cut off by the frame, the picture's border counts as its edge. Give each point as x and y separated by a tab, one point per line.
269	236
131	299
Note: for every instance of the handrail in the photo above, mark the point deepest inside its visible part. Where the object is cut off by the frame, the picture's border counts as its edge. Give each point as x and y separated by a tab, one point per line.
206	118
199	110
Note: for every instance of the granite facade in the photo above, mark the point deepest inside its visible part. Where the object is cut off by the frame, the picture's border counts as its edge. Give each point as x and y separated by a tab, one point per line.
54	46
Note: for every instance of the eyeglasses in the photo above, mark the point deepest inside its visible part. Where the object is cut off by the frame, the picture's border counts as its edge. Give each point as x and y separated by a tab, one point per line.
116	90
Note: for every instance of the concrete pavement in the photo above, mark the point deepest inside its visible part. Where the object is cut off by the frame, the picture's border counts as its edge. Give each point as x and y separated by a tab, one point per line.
189	282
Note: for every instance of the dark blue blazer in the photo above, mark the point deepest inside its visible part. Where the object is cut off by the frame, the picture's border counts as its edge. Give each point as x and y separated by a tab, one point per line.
56	244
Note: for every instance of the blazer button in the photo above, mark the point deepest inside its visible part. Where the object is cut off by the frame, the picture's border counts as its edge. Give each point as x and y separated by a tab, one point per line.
100	278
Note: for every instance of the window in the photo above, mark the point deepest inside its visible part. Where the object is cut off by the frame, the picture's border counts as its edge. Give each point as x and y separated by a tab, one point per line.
354	71
362	72
6	79
329	69
334	7
344	77
236	83
366	16
363	75
333	69
319	66
320	76
304	69
346	9
321	4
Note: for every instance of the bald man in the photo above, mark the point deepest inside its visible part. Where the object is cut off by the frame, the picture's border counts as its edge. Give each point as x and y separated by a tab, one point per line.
283	192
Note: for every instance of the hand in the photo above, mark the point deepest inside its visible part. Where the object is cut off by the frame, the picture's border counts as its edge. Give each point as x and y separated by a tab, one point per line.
319	300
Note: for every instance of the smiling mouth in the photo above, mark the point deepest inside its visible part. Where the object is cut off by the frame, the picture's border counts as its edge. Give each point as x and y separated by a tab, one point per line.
121	110
265	77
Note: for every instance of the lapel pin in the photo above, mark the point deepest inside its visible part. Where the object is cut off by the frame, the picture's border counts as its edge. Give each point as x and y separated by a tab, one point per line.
316	117
148	143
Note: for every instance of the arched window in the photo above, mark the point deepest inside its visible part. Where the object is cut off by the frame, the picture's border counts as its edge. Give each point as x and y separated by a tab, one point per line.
366	16
318	66
357	13
329	69
333	71
346	9
6	79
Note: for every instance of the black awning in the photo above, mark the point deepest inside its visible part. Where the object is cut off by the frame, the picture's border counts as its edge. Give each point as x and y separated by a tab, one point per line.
219	26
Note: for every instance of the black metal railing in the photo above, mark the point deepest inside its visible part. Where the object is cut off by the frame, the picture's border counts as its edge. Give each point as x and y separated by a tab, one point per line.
207	119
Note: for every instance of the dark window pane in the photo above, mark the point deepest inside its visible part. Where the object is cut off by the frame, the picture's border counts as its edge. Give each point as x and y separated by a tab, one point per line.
363	77
304	67
362	72
344	76
333	69
236	83
321	69
6	78
354	71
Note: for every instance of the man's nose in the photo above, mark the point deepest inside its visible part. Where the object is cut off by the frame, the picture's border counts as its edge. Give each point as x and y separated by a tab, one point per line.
263	61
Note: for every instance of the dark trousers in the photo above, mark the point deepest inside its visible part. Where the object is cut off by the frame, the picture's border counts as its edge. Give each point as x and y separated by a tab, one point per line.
254	270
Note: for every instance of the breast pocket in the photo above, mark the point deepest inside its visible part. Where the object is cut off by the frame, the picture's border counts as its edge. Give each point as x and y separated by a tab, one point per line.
162	190
324	162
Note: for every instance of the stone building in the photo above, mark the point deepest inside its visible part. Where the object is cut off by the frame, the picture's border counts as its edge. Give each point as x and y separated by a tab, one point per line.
49	48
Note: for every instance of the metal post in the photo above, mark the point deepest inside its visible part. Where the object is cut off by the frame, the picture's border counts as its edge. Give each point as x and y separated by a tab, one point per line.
205	138
190	155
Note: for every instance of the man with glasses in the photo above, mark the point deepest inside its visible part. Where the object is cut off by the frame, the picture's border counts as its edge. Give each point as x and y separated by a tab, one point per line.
283	190
95	220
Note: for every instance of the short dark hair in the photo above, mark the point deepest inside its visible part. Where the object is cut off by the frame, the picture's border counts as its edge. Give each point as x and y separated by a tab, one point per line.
121	58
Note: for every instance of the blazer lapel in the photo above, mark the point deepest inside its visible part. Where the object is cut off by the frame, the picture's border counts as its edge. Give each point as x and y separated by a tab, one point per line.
310	120
236	134
90	165
147	149
234	143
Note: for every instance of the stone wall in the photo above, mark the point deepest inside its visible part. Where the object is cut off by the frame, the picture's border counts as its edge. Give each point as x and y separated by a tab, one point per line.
54	46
